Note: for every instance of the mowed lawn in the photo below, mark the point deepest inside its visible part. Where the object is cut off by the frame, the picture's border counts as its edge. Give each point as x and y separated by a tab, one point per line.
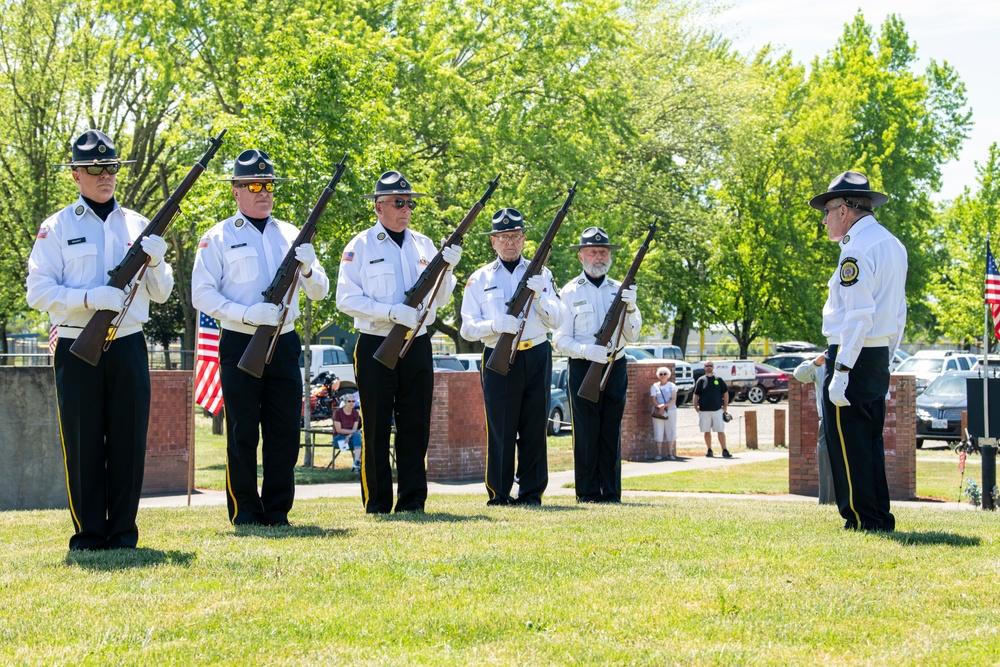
651	582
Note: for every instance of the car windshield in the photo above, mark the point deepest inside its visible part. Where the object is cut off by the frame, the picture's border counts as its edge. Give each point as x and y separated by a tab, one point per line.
638	353
946	386
450	363
920	365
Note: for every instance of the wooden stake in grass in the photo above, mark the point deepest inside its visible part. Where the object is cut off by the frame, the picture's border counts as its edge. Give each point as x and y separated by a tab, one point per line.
961	473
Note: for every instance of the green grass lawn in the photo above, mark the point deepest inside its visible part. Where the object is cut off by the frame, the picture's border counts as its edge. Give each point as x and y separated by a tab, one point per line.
936	480
650	582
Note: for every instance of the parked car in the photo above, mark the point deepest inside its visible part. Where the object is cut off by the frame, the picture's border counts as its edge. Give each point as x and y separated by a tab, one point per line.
940	407
797	346
738	374
772	384
683	373
470	360
447	363
789	360
559	408
330	359
927	366
664	351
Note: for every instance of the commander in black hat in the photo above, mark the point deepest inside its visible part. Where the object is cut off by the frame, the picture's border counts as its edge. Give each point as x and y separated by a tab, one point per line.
103	409
376	269
517	404
596	426
235	263
863	320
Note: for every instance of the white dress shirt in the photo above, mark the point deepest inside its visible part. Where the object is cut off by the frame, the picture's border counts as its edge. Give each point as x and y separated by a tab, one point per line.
587	305
375	274
73	252
867	302
486	296
235	263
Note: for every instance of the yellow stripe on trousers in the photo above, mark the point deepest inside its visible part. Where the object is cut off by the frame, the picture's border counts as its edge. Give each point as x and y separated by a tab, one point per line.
364	449
229	483
847	468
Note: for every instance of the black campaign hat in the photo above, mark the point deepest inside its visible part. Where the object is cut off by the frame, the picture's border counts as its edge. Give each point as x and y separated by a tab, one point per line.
253	164
392	183
507	220
849	184
93	147
595	237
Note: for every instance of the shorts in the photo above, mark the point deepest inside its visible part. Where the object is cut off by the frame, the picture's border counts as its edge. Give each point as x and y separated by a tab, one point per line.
711	421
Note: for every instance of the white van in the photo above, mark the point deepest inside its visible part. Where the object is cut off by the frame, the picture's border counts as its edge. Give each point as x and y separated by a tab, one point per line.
331	358
663	351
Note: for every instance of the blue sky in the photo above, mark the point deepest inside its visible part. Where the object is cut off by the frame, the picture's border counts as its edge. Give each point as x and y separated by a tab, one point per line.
959	32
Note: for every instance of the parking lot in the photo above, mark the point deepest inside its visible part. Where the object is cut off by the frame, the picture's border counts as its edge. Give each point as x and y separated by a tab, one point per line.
688	433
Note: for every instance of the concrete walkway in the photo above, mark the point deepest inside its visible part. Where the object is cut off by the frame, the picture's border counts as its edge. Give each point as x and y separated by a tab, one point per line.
557	482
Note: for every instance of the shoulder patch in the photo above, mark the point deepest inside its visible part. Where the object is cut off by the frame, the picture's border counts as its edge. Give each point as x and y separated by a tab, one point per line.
347	257
203	243
43	231
849	272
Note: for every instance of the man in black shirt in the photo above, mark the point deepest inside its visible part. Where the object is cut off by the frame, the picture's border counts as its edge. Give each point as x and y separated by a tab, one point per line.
711	402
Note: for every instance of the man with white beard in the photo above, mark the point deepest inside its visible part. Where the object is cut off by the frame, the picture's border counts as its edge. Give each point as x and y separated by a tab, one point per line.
597	427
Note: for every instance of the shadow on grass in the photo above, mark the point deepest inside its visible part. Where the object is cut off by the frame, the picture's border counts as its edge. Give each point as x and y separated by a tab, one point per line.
932	537
431	517
127	559
284	532
314	475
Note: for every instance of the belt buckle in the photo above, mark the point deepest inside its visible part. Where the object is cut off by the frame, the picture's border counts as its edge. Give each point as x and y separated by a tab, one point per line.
524	345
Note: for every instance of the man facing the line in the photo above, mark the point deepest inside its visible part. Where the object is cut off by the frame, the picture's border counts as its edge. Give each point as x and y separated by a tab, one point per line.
517	404
236	261
376	269
711	402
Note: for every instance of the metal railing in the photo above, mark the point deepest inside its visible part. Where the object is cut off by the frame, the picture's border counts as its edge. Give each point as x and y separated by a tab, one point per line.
171	360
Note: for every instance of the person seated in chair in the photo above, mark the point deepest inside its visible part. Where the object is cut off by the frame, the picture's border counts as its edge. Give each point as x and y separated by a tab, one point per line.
346	427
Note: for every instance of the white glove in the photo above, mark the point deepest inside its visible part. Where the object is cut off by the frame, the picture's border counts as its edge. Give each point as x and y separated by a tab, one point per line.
629	295
155	247
838	389
306	255
537	284
105	298
451	255
405	315
597	353
887	395
506	324
262	314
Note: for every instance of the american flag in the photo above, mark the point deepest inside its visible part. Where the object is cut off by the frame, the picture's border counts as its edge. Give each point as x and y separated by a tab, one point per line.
207	386
993	289
53	338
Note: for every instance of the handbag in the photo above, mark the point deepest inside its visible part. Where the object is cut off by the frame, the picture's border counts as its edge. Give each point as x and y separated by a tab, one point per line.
656	411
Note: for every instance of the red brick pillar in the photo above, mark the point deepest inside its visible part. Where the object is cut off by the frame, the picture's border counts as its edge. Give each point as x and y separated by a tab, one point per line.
169	444
899	436
637	422
457	450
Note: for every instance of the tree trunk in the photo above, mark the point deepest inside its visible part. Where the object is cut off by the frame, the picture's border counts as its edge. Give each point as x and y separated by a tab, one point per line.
682	329
3	342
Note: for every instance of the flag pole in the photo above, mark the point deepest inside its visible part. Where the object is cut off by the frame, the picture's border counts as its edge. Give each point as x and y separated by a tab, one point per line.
986	356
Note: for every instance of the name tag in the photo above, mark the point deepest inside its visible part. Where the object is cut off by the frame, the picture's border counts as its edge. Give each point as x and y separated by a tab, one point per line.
82	239
489	288
376	261
579	303
238	245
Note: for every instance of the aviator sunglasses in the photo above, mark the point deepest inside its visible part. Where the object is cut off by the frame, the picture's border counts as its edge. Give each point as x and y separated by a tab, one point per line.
399	202
98	169
257	187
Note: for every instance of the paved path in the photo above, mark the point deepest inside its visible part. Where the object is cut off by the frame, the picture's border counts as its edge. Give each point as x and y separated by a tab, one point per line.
557	481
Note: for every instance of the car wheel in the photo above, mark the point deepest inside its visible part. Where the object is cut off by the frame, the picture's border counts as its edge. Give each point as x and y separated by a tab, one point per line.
774	399
555	422
756	394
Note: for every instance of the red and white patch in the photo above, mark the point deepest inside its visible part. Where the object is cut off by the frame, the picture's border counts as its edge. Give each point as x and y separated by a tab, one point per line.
203	243
43	231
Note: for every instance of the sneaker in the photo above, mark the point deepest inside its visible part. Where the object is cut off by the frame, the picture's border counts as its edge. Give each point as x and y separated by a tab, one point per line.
658	458
356	469
726	454
709	453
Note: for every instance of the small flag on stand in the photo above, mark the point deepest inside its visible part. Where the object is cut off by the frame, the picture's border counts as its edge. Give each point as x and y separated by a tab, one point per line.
53	338
993	290
208	386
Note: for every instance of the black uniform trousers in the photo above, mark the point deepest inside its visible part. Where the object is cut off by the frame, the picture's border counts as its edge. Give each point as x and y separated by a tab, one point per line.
854	441
404	393
597	434
103	418
263	410
517	409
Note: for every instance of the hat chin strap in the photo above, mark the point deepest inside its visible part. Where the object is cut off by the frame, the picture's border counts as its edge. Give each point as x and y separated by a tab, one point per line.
856	206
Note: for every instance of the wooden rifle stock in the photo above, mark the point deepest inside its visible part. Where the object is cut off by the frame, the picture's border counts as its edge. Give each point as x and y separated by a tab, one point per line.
90	345
391	349
501	357
256	356
595	379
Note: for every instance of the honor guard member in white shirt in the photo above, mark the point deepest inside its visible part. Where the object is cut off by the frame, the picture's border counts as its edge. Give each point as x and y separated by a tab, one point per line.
236	261
103	409
597	427
376	269
863	320
517	404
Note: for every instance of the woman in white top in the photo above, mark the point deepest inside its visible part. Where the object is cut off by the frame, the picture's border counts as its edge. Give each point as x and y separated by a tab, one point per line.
664	394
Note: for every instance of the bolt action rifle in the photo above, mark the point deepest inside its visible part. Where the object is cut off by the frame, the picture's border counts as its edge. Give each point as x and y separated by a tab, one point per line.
102	328
392	348
506	348
282	290
614	323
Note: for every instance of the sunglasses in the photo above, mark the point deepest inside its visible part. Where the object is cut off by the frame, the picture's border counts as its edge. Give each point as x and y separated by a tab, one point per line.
662	374
98	169
399	202
257	187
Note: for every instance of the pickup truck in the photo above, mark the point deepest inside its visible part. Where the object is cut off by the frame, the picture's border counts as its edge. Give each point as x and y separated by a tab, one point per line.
739	375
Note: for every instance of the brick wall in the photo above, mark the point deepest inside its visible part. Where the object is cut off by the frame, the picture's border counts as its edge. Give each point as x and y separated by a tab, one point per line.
457	449
637	422
171	429
899	435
